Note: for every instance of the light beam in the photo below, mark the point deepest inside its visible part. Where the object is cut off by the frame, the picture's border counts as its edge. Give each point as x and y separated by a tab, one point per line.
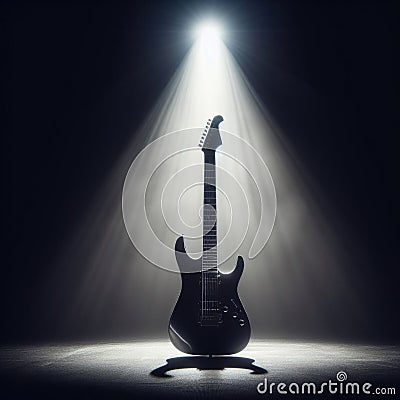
304	262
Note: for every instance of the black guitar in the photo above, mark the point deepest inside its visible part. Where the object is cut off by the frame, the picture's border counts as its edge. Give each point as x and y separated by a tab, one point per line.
209	317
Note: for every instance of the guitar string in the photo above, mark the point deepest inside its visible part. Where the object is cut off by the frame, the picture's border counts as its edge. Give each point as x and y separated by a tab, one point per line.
203	285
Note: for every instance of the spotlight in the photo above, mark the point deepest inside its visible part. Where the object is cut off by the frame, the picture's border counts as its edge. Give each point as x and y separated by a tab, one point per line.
209	41
209	33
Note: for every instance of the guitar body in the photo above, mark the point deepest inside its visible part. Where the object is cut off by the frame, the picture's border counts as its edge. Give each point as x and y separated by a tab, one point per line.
230	333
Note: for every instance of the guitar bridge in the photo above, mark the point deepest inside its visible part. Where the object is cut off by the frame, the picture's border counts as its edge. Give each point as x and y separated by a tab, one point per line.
211	321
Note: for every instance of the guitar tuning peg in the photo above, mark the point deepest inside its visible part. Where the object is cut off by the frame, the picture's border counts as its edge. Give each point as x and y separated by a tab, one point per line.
209	119
199	145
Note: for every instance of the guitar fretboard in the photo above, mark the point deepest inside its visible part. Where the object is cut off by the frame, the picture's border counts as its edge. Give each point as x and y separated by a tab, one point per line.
210	303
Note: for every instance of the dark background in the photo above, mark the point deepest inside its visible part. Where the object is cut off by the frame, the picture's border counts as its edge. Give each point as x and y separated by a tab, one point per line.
79	76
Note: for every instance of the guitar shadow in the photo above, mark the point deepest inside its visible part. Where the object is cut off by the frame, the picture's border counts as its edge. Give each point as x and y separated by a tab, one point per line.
207	363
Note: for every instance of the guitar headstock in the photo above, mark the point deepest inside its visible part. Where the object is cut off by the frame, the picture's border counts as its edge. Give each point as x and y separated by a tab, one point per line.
211	138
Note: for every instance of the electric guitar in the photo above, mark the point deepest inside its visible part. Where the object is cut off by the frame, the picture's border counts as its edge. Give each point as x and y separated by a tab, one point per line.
208	317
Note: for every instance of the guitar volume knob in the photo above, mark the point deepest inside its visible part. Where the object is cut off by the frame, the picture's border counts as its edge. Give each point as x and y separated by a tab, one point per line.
241	322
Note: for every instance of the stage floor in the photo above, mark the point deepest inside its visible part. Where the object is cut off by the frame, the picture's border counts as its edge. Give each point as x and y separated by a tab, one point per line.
105	370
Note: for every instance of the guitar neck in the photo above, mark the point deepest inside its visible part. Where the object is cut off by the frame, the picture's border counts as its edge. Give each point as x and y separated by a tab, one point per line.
210	262
210	277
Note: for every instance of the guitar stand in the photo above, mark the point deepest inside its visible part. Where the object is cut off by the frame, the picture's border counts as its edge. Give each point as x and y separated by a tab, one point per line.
210	362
